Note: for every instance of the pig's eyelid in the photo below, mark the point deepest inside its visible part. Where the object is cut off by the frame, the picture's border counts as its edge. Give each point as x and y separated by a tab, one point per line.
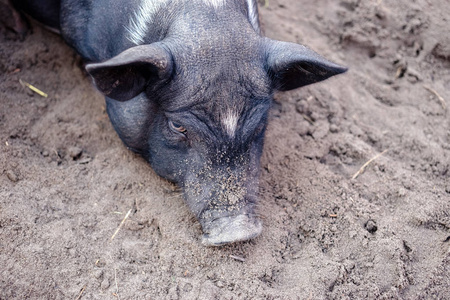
177	128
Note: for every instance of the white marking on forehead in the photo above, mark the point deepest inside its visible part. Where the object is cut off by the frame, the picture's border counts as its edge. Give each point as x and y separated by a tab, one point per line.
140	20
253	14
138	24
230	123
215	3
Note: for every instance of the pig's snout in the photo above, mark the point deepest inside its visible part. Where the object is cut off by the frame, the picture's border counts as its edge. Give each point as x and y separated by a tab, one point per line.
223	197
230	229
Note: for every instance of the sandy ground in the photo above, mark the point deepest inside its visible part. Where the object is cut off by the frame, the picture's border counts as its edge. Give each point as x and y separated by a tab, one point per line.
66	180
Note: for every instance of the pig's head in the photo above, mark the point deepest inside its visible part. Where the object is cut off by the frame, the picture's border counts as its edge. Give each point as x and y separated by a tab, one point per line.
197	111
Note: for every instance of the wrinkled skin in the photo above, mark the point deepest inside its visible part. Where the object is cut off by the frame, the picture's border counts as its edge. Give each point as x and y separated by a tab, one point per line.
194	99
218	171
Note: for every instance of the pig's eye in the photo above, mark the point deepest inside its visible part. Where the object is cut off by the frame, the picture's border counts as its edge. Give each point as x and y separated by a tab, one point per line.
176	127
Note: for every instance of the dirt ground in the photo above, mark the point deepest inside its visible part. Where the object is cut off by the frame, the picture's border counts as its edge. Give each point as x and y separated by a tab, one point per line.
67	181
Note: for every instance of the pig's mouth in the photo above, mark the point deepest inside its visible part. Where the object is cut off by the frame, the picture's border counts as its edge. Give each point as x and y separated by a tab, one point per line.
231	229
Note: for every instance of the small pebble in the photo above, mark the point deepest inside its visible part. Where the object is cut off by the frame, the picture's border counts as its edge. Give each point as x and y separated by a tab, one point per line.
333	128
349	265
98	274
301	106
74	152
33	136
85	160
105	284
371	226
12	176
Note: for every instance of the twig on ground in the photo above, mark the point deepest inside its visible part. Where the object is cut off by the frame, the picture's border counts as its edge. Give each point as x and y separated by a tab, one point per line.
121	224
442	100
81	293
310	121
33	88
367	163
237	258
117	286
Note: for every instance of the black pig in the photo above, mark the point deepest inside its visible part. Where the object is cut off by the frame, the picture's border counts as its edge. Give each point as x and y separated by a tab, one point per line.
188	85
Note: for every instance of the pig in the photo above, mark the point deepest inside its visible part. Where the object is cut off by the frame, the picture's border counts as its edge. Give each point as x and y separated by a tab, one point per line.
188	85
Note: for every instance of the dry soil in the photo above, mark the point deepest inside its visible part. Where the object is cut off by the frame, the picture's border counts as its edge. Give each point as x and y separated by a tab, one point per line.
67	181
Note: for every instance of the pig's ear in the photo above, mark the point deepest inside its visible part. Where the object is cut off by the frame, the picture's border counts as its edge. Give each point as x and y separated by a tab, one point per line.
128	74
292	65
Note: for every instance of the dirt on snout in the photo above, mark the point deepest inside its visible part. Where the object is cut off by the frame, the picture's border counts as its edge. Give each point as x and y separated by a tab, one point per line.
355	179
